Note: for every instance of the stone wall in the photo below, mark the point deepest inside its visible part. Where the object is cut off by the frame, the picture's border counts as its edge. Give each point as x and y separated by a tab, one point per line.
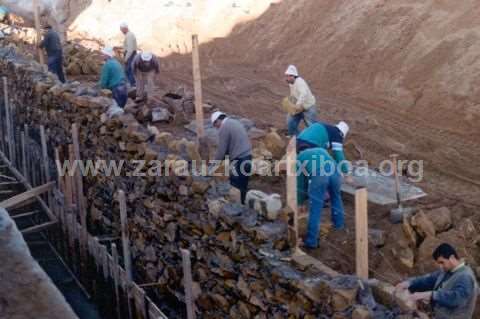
239	257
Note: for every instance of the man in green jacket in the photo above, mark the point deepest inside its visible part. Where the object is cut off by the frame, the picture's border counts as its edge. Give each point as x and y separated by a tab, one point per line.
113	77
317	175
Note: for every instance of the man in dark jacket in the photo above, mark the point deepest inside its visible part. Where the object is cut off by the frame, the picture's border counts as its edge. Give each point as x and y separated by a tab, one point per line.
452	291
233	141
53	46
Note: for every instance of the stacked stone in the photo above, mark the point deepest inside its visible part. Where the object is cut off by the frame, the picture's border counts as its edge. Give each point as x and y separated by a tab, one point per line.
239	263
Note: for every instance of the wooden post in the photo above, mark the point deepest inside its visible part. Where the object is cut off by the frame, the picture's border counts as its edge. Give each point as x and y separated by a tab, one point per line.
292	187
8	119
24	155
79	189
70	180
125	235
27	153
46	167
36	10
197	84
188	284
60	178
361	233
115	279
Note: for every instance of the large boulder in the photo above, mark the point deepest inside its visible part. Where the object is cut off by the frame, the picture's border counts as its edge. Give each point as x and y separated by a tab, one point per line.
441	218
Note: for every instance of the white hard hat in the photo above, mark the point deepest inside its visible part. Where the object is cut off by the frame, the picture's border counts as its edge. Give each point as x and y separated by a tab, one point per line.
292	70
146	56
216	115
108	51
343	127
123	25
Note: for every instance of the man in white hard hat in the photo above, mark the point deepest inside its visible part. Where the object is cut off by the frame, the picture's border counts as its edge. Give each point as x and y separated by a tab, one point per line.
145	66
113	77
303	100
233	142
328	137
130	50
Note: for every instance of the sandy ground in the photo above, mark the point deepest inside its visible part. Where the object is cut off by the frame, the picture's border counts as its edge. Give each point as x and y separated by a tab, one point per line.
27	292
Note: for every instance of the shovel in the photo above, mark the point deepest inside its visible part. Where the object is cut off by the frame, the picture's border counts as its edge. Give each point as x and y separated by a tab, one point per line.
396	214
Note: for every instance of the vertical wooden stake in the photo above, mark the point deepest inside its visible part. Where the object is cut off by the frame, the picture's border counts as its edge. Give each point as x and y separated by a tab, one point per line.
27	153
46	167
8	119
115	279
60	178
70	180
197	84
126	246
292	187
36	10
187	281
361	233
125	235
24	155
79	189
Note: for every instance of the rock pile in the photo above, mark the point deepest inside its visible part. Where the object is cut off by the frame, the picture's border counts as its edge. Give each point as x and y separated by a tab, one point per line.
237	252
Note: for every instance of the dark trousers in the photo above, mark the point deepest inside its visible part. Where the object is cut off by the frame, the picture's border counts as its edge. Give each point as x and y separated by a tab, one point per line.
120	94
55	65
240	174
129	70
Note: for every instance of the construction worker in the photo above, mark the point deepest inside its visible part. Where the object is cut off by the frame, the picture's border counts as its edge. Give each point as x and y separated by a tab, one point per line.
328	137
233	142
452	290
144	66
302	99
130	51
4	15
53	46
318	174
113	77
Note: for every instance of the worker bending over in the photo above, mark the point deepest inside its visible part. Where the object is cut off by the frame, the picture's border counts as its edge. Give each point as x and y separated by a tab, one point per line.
451	291
233	142
303	101
328	137
113	77
317	174
53	46
144	66
130	51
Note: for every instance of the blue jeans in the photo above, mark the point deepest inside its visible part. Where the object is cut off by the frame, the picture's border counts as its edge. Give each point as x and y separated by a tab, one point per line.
293	121
129	70
55	65
317	189
120	94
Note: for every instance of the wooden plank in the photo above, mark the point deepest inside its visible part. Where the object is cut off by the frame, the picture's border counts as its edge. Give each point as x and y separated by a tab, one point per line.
302	259
8	203
125	234
69	181
28	214
115	279
361	233
81	204
188	283
154	311
38	228
197	84
139	299
36	10
292	187
60	178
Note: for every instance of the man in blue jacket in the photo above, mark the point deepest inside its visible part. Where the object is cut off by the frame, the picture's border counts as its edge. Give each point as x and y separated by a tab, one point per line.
317	174
452	291
113	77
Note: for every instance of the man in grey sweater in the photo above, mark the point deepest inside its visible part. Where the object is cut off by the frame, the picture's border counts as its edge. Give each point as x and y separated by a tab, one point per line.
233	142
452	291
